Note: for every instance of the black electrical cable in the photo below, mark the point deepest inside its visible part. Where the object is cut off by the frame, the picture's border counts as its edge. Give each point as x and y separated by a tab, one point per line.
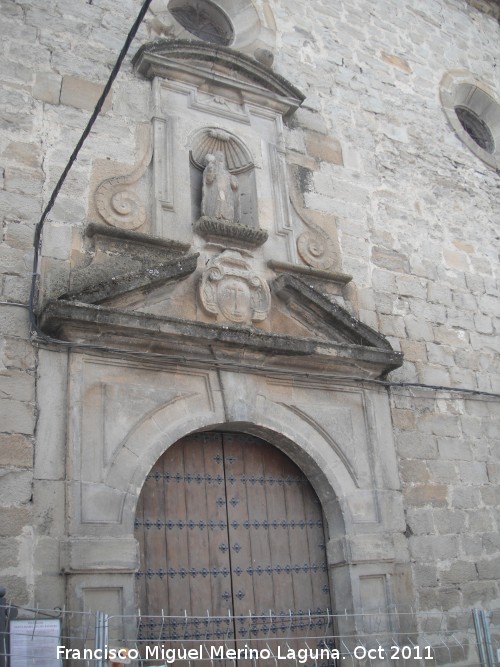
37	241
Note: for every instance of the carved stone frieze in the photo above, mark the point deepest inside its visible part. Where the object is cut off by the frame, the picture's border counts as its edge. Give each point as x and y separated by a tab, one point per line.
231	290
118	204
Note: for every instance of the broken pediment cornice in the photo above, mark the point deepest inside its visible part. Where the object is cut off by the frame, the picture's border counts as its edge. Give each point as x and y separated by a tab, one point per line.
200	63
335	277
330	317
111	252
141	281
347	346
125	236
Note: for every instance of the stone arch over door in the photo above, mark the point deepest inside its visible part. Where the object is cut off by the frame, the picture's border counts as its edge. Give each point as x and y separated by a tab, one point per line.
365	522
338	436
228	524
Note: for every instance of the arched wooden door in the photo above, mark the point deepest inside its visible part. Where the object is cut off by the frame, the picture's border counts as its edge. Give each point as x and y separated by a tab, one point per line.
229	528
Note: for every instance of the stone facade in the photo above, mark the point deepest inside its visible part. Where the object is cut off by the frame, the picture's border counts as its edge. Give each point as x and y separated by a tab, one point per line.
368	173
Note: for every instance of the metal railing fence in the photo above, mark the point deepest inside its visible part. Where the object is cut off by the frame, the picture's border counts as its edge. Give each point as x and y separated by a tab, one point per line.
403	638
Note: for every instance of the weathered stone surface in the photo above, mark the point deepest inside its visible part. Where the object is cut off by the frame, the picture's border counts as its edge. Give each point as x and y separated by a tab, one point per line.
413	350
426	575
444	471
50	508
14	261
493	470
454	448
101	554
439	599
15	487
16	451
16	416
13	520
489	568
466	497
440	424
82	94
414	471
435	495
24	181
480	520
14	321
417	446
471	546
57	241
17	588
23	153
434	547
490	495
420	521
9	553
47	87
322	147
458	573
17	385
478	593
448	521
390	259
18	235
473	472
17	353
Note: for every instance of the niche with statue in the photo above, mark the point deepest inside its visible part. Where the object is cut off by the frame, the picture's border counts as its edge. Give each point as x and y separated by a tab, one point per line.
223	191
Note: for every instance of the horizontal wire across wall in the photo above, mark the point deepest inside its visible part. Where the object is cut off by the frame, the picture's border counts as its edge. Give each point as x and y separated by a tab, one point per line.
93	639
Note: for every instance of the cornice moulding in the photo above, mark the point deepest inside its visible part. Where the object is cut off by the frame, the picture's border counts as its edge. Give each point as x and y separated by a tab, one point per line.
181	60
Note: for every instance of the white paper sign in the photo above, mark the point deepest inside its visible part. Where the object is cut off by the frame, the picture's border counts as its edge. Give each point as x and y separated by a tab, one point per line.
34	643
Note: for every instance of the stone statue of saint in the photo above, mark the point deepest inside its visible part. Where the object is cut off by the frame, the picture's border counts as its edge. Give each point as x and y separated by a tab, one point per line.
220	197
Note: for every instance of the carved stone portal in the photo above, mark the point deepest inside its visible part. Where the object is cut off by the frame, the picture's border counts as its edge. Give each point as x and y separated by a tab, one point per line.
230	289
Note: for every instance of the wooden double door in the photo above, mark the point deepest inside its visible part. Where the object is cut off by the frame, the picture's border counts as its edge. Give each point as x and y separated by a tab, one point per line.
232	545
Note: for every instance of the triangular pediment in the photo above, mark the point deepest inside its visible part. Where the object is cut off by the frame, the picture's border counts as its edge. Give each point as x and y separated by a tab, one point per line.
304	328
220	67
130	288
325	317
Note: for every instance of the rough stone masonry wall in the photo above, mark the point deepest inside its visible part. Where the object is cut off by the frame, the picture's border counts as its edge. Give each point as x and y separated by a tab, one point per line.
56	57
416	221
418	225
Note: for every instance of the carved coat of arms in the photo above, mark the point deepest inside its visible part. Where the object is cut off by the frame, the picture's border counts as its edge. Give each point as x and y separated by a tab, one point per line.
230	289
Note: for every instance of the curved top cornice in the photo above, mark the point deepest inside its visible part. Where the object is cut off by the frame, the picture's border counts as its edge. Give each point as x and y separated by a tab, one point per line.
175	59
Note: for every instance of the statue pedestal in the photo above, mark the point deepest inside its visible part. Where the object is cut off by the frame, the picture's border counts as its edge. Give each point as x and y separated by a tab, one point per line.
232	233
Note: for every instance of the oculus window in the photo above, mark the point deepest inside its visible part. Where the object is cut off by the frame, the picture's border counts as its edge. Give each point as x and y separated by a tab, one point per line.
203	19
474	114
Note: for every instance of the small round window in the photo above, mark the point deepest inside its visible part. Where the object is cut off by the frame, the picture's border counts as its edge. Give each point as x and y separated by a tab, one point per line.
474	114
476	128
204	20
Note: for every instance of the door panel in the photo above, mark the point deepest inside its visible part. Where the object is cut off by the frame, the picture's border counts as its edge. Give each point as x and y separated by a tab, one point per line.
276	528
182	533
230	530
